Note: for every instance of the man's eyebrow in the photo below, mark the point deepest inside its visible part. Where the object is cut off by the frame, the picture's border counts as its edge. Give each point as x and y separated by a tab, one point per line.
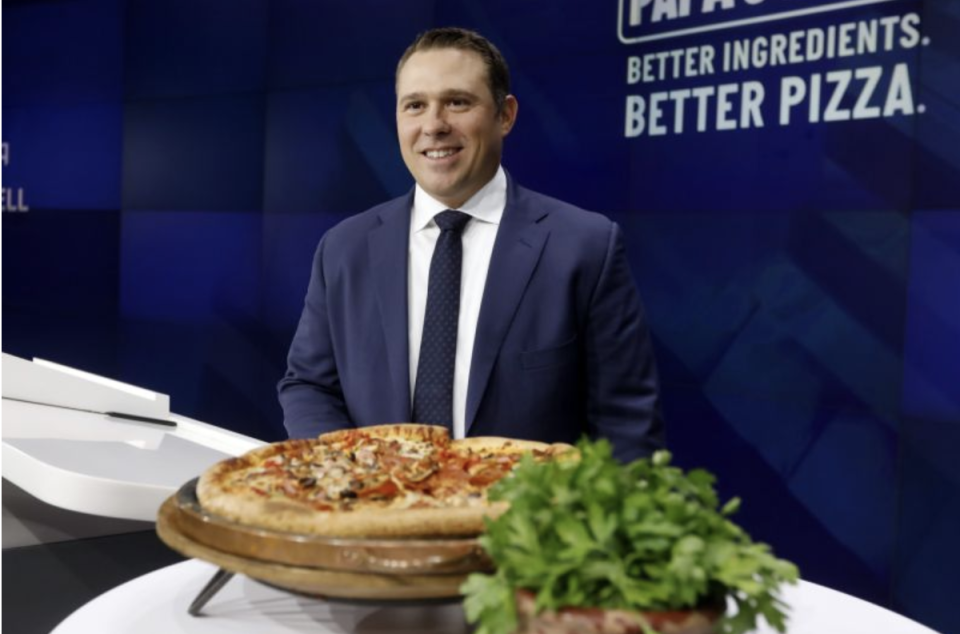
458	93
446	94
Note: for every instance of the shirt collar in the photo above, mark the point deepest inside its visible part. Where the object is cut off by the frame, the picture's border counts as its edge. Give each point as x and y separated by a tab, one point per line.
486	205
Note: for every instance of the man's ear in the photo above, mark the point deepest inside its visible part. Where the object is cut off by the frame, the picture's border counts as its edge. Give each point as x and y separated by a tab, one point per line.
508	114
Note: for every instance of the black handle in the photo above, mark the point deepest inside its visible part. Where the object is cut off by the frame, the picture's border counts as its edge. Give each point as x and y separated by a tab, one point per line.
142	419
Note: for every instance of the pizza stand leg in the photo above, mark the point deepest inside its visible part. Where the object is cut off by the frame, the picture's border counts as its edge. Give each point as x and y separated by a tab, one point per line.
220	579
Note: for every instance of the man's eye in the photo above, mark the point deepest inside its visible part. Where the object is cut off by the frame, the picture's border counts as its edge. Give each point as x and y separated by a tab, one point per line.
459	103
413	105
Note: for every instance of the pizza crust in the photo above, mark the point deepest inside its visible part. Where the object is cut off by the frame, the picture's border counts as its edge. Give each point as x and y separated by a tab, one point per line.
288	516
510	446
435	434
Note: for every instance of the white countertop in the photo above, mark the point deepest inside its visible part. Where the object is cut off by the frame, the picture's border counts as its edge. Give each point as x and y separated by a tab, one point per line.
157	603
95	464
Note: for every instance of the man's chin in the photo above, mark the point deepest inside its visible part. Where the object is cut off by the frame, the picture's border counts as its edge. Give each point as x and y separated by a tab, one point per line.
444	192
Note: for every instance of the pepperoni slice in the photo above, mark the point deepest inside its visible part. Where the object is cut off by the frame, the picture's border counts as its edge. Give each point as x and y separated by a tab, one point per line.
385	489
487	476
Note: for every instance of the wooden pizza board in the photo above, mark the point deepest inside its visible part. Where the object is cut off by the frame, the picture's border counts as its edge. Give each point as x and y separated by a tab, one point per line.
333	567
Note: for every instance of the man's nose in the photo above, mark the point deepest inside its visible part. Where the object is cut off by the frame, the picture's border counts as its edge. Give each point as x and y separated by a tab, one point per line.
436	122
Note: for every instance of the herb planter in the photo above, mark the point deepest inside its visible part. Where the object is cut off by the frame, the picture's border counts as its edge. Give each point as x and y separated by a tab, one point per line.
577	620
597	542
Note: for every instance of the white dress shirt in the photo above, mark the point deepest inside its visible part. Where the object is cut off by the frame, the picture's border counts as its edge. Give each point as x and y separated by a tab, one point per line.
486	208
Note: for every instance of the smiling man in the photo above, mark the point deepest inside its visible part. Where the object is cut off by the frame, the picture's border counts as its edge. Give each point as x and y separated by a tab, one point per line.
472	302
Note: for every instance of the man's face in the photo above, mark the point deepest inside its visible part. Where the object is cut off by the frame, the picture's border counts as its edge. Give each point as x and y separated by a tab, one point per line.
451	136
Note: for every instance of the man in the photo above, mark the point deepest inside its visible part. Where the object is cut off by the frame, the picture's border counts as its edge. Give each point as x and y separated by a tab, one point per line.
471	302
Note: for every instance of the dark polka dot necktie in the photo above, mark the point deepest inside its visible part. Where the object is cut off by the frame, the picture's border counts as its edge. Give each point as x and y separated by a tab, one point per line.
433	394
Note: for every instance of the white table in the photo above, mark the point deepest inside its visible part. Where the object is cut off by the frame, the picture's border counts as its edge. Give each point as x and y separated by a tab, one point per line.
157	603
104	466
67	455
71	475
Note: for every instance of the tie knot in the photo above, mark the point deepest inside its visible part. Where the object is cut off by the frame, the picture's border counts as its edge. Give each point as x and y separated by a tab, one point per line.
451	220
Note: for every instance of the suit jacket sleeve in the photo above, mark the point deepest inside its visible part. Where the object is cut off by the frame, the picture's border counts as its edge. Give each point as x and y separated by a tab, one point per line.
310	391
623	387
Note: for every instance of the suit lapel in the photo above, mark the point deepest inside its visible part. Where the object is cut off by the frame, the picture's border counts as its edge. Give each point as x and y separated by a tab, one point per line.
388	260
517	250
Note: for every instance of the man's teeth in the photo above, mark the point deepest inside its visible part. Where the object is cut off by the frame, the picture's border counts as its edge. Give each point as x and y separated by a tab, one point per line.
439	153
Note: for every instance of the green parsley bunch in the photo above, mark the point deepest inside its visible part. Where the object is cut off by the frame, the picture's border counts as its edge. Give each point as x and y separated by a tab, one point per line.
643	536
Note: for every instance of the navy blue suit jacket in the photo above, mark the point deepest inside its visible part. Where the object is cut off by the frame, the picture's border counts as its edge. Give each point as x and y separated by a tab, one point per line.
561	348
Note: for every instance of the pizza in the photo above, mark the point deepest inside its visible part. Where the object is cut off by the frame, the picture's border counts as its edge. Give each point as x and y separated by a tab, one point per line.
387	481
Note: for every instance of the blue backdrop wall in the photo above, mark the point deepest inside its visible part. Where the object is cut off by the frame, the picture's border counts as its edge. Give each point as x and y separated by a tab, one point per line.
787	173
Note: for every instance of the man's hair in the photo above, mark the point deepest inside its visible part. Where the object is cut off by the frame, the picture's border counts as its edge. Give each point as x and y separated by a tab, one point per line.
498	74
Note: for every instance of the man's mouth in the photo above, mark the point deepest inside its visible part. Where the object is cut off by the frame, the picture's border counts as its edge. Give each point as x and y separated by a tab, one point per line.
442	153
